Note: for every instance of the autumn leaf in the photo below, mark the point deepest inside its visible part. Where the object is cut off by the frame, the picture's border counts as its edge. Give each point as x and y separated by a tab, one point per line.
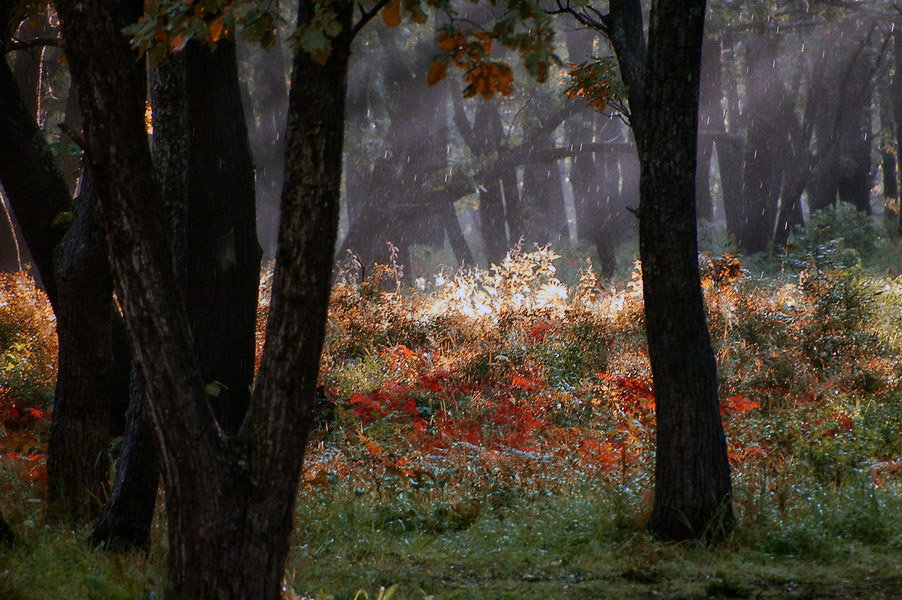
216	30
177	43
391	13
437	72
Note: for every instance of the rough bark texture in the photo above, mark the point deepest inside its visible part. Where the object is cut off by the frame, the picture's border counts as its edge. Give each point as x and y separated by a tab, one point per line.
80	292
229	497
128	516
692	476
202	155
77	459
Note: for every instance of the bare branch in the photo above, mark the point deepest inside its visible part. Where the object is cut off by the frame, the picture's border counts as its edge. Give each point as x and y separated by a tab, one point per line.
41	42
367	16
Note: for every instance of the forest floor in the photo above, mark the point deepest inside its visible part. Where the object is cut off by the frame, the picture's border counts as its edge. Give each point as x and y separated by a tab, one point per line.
490	435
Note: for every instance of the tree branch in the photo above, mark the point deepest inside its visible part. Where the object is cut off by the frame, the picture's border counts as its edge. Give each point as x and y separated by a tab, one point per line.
41	42
367	16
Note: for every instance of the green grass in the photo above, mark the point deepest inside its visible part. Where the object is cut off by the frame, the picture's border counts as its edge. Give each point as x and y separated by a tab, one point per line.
816	472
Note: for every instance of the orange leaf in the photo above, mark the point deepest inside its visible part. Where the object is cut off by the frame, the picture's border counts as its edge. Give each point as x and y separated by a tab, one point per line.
437	72
391	14
177	43
486	40
447	43
216	30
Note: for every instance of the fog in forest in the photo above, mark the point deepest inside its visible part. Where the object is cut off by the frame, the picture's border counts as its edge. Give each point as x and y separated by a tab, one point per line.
799	110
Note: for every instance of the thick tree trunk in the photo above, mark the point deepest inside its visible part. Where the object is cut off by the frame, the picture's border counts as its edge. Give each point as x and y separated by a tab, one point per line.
80	293
251	507
692	475
204	159
223	260
128	516
77	461
229	498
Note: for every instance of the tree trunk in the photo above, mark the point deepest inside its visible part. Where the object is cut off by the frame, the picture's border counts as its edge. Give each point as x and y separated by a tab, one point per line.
229	497
77	460
10	254
127	518
86	382
692	475
223	260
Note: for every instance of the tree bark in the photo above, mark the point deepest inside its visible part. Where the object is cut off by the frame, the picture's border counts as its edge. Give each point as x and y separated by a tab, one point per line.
692	475
223	256
229	497
125	523
77	459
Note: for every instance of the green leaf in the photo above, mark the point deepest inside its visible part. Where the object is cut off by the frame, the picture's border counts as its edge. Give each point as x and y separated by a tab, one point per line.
214	388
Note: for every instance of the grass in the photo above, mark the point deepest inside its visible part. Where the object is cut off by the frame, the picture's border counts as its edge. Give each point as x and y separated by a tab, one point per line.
494	439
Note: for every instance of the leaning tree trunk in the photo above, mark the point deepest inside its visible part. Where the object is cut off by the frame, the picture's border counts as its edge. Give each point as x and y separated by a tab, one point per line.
692	475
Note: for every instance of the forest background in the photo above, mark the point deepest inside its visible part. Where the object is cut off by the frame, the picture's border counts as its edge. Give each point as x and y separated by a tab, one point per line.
509	412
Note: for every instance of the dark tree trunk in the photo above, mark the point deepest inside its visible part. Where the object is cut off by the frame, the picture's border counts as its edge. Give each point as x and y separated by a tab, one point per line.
86	382
223	260
229	497
77	460
29	63
890	179
127	517
126	520
692	475
544	200
854	182
204	159
10	255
